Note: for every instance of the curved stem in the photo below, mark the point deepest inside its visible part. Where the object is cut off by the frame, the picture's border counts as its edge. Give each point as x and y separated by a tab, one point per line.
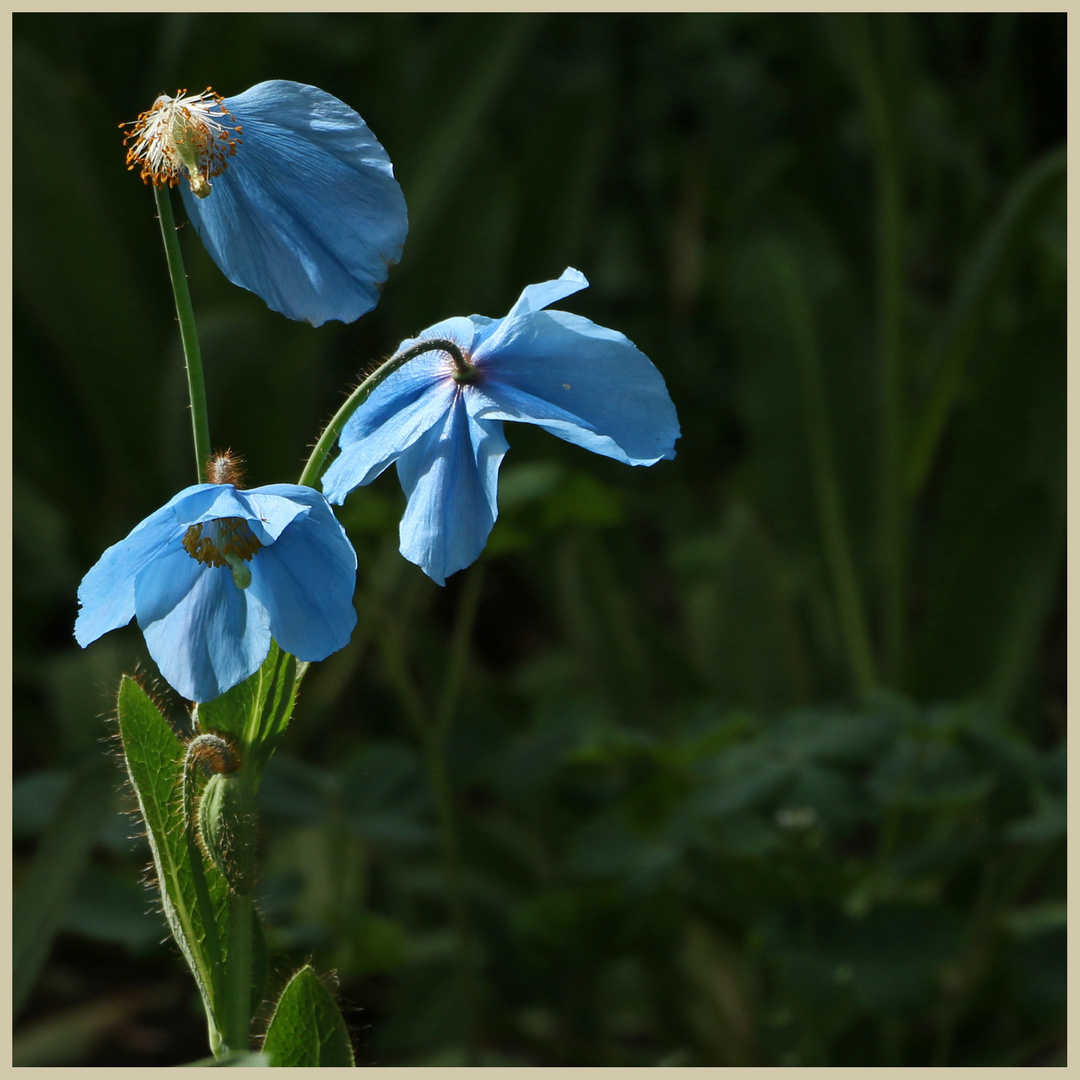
463	371
200	423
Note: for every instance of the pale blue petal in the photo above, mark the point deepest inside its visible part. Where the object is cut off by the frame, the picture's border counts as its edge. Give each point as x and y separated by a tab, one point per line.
204	633
307	214
267	515
306	581
460	330
450	478
107	592
271	509
537	297
401	409
582	382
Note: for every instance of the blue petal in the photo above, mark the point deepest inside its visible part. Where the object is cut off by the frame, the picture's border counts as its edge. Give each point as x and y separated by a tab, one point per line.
307	214
204	633
268	515
460	330
537	297
306	580
107	592
271	509
409	403
583	382
450	478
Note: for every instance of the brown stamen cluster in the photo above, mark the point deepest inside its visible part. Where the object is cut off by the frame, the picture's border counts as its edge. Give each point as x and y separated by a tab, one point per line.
222	537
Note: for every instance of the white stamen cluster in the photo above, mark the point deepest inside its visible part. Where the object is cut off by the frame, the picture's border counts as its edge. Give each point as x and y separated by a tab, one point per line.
179	135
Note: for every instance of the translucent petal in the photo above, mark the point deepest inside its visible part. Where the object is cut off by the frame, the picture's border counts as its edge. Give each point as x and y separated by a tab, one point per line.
307	214
459	329
537	297
107	592
583	382
204	633
450	477
306	581
271	509
410	402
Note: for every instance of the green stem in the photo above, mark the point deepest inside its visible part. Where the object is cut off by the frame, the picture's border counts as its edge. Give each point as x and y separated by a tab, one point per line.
236	1010
463	371
200	424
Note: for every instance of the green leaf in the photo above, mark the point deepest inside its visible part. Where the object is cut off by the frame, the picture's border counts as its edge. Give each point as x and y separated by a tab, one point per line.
307	1028
194	896
43	899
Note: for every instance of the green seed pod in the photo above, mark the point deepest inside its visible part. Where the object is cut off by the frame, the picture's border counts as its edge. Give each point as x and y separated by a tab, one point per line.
227	825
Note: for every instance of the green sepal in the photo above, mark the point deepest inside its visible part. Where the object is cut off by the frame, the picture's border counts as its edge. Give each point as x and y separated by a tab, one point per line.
194	896
227	828
257	711
307	1029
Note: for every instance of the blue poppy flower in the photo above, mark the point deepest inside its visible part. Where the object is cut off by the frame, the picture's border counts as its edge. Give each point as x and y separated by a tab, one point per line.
441	422
293	196
215	573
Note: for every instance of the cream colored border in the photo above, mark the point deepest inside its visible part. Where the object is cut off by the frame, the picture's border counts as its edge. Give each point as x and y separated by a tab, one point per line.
6	530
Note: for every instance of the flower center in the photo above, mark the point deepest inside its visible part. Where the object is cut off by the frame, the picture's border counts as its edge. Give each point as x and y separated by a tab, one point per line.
223	542
179	135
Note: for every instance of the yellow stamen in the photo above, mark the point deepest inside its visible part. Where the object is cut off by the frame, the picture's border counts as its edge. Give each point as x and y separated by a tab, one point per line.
183	136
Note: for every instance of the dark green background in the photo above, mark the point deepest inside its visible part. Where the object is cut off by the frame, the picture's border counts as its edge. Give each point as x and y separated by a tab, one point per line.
753	757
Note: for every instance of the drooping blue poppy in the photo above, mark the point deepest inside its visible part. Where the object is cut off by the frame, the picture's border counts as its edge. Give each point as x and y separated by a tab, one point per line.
218	571
442	422
293	196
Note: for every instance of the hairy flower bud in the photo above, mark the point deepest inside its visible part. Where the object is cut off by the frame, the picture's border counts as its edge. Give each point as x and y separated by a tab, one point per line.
227	826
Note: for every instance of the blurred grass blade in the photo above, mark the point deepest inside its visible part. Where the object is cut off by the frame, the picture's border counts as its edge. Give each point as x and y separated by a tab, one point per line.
878	91
40	904
953	345
307	1029
823	469
463	119
71	1036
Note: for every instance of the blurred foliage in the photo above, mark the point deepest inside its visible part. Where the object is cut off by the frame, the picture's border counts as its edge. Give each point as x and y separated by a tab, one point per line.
752	758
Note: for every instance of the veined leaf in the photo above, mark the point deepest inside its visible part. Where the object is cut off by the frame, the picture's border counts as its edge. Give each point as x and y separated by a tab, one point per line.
307	1029
194	895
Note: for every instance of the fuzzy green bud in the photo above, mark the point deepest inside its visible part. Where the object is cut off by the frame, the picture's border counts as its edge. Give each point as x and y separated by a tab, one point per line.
227	827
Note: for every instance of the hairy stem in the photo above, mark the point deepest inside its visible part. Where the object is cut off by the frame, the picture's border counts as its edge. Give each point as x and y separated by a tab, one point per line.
462	372
200	424
236	1013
